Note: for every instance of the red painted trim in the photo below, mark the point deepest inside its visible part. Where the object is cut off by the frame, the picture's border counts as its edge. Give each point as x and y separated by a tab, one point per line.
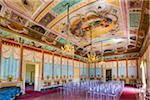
21	62
137	65
53	66
126	68
60	67
95	70
88	70
42	65
73	69
117	70
0	53
67	69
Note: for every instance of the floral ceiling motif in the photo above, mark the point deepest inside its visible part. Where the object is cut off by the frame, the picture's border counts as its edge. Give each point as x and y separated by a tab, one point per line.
116	23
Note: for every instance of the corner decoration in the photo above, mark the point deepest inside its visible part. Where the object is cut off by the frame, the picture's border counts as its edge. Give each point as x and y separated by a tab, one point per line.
68	48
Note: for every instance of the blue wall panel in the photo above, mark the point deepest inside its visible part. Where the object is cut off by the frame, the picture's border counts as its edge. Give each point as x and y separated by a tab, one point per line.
47	70
98	71
64	70
122	69
70	71
57	70
132	71
10	66
92	72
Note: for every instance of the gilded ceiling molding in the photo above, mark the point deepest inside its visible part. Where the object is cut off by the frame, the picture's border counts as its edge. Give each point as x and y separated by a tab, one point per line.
46	10
72	9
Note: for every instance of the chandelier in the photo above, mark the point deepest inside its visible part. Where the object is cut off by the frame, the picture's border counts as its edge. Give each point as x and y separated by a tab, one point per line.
92	55
68	48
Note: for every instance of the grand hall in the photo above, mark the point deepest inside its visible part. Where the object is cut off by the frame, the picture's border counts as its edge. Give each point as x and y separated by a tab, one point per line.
74	50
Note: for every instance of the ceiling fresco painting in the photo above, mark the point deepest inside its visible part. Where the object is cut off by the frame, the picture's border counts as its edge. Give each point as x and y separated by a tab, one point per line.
27	7
121	25
102	19
47	19
61	6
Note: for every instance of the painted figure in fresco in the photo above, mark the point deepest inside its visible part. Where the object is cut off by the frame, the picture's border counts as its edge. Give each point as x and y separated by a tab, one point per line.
93	20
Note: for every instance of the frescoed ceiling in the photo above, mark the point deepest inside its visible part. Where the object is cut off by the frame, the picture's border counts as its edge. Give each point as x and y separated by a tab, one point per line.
120	25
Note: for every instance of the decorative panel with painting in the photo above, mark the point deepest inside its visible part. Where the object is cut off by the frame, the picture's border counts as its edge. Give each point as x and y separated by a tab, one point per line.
114	68
57	66
70	68
10	62
84	73
132	69
48	63
92	70
82	69
98	70
64	67
32	56
122	69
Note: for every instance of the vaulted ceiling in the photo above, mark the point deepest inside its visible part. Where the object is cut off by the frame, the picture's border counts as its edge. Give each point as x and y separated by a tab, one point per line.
121	25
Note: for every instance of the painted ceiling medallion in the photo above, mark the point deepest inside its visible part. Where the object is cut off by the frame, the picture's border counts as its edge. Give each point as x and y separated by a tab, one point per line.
97	20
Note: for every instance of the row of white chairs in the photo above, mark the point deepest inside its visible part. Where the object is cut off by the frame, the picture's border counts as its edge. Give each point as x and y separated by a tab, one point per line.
94	89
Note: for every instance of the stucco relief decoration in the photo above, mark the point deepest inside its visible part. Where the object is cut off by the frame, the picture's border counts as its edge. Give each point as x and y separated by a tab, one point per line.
85	65
114	64
121	63
70	62
47	58
109	64
92	65
8	51
76	64
17	27
81	64
132	63
32	56
64	61
56	60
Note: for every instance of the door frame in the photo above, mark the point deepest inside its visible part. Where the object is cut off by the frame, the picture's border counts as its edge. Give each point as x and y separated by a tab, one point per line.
111	72
37	75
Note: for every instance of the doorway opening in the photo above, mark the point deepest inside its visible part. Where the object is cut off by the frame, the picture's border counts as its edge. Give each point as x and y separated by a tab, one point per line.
30	77
108	74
